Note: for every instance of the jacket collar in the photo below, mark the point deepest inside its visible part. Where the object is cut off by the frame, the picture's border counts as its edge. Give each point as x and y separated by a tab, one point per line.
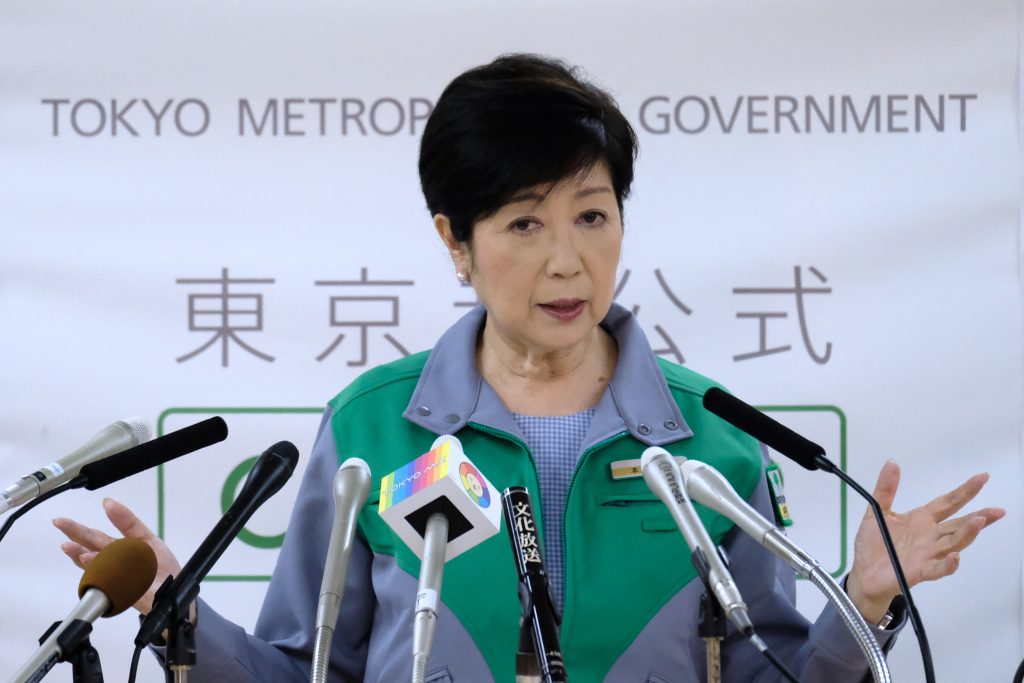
451	392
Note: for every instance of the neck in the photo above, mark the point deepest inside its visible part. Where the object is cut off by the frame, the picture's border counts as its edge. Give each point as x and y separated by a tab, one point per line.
544	381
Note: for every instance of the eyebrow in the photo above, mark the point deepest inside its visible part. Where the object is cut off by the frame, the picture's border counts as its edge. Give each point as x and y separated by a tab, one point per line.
537	197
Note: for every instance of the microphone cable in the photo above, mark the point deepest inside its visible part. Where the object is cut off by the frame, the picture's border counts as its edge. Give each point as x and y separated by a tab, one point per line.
700	563
811	456
776	662
134	460
34	502
133	670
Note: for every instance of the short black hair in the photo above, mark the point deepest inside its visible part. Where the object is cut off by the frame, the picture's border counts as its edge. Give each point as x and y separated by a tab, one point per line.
520	121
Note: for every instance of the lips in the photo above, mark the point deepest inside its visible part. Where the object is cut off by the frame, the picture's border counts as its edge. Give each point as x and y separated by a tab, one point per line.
564	309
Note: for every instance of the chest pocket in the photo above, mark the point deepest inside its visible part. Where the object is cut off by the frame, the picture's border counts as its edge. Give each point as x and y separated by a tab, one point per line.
655	678
439	676
651	514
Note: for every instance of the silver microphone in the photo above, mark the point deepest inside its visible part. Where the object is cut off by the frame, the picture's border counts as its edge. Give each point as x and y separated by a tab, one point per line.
115	579
120	436
93	605
661	472
709	488
351	487
437	493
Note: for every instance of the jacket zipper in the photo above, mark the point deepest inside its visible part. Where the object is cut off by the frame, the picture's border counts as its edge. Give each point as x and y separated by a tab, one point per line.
572	482
509	437
565	507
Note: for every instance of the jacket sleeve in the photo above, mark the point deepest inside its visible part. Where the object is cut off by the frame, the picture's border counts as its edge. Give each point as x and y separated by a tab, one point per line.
822	652
282	647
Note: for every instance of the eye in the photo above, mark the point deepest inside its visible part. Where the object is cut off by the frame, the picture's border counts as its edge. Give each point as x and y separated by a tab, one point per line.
524	226
592	218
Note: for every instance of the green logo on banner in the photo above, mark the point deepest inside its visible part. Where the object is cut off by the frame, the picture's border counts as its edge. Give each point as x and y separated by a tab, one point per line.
229	490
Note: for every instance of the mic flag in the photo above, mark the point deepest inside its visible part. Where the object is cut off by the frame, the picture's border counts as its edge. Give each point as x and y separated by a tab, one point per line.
440	505
539	617
441	480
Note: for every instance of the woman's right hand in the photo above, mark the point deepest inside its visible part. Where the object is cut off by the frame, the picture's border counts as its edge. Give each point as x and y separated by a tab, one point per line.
85	542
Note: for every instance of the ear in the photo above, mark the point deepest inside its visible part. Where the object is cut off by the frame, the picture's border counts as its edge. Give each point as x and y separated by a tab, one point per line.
459	251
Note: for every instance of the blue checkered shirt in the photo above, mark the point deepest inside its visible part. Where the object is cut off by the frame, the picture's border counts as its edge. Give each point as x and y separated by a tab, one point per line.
555	443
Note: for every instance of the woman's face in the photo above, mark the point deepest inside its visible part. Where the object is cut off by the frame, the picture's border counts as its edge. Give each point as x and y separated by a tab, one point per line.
544	264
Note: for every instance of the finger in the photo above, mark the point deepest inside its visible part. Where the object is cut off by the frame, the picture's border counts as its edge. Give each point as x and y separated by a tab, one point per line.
89	538
888	482
74	552
991	515
125	520
988	515
965	531
944	566
949	503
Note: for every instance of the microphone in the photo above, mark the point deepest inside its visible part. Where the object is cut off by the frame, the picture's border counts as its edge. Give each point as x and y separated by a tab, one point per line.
708	487
811	456
113	468
749	419
119	436
440	506
158	451
538	613
268	475
351	487
115	579
661	472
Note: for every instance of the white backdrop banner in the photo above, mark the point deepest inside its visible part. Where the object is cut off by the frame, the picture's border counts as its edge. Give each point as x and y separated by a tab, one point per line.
213	209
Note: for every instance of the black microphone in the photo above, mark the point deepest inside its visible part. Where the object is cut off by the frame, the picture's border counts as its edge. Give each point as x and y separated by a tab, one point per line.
538	612
268	475
812	456
99	473
152	453
749	419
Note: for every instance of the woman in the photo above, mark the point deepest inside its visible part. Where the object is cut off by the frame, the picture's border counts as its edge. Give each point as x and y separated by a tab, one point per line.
524	168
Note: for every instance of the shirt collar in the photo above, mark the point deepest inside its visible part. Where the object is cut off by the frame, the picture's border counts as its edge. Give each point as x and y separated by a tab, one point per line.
451	392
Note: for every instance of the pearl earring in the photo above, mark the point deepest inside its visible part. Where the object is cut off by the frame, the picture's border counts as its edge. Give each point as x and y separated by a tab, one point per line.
463	277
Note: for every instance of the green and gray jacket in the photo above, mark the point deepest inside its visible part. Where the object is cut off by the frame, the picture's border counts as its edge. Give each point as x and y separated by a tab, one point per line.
630	596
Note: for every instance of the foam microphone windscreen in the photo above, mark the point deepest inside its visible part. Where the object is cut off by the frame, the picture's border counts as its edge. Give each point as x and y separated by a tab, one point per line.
749	419
123	571
156	452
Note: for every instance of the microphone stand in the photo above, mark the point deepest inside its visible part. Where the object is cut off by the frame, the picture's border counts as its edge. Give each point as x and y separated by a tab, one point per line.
180	655
74	643
527	663
712	626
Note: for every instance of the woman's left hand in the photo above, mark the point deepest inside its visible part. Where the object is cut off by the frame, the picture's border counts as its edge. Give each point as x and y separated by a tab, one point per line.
927	541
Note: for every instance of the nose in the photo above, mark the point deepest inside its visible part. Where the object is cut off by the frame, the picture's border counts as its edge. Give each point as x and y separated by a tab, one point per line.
564	257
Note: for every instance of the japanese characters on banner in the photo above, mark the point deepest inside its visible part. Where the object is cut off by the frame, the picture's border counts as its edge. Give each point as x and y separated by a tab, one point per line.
216	211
